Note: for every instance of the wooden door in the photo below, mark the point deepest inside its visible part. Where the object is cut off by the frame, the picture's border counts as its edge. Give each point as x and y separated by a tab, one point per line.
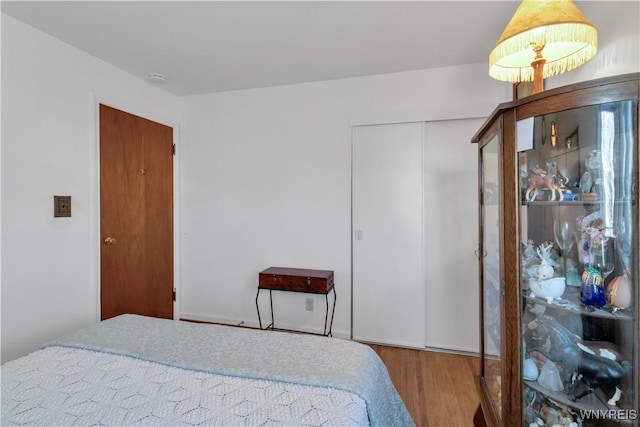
136	215
388	253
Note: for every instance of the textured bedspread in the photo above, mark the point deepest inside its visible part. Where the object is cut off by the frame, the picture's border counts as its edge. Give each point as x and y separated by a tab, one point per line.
278	356
63	386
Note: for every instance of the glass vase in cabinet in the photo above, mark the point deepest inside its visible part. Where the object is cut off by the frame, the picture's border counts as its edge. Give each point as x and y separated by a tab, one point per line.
559	264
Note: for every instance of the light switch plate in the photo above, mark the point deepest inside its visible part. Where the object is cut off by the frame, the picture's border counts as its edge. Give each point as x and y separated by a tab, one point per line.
61	206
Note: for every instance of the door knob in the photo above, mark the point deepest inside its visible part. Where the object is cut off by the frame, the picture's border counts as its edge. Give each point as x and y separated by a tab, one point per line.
110	240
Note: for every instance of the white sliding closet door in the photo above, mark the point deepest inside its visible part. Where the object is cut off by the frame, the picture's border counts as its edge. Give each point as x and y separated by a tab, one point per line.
388	254
451	235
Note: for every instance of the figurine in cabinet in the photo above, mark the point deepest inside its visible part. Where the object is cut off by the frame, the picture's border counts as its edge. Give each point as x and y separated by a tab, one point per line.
575	359
540	180
591	180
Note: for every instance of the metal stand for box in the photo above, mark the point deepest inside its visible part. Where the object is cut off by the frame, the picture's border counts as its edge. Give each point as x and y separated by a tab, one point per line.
326	332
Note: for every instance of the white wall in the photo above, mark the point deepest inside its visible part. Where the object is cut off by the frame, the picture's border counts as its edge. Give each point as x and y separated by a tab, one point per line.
618	25
49	272
265	172
266	181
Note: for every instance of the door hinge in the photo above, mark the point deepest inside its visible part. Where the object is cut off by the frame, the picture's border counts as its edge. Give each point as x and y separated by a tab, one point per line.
173	149
174	294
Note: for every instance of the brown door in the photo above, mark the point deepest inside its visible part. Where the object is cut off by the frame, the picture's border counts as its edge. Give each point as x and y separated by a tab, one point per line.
136	215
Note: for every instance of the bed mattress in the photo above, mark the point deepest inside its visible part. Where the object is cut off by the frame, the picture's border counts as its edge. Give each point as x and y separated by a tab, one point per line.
136	370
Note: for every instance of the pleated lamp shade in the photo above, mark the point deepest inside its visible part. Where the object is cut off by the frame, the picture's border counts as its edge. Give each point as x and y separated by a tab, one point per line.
543	39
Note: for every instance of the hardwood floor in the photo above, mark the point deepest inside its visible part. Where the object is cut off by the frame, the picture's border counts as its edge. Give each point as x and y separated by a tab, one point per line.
437	388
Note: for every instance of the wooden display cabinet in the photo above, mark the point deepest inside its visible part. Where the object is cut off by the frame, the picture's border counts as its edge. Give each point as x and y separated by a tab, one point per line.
558	198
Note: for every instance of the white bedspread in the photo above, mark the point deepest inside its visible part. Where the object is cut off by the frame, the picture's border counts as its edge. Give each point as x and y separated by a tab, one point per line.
66	386
248	353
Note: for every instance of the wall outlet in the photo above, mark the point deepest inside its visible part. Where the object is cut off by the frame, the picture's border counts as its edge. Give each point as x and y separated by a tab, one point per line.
309	304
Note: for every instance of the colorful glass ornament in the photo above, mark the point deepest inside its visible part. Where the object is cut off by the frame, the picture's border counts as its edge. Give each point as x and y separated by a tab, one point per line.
592	293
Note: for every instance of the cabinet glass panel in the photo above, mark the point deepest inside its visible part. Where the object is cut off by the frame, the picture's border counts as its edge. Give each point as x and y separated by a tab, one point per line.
491	272
578	221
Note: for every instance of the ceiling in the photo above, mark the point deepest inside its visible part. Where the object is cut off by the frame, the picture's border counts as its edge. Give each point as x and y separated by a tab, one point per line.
213	46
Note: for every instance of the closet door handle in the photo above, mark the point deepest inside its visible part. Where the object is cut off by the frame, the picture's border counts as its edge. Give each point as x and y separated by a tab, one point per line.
484	253
110	240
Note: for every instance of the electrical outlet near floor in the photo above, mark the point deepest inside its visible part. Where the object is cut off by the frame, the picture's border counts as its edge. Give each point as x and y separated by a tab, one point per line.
309	304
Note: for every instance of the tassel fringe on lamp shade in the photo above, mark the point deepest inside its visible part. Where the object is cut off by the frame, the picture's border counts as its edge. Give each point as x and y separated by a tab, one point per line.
543	39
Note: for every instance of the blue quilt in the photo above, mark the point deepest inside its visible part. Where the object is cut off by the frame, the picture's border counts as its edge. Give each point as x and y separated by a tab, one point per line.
243	352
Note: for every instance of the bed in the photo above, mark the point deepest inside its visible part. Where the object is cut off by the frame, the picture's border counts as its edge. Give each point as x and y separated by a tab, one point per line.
137	370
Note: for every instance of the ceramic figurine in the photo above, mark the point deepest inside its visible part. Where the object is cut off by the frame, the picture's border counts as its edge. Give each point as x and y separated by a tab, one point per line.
557	343
572	275
616	396
529	370
529	255
545	269
619	292
548	289
550	377
538	180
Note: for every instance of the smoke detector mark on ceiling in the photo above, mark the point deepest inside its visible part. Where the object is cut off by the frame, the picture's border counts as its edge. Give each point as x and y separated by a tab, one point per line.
157	78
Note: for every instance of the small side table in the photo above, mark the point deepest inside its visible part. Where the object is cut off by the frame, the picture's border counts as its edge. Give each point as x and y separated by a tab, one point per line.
297	280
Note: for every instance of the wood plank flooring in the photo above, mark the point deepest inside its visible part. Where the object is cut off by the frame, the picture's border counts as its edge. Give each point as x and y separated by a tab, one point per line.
437	388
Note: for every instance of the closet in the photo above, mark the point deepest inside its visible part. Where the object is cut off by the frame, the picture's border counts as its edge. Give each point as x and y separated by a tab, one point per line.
414	223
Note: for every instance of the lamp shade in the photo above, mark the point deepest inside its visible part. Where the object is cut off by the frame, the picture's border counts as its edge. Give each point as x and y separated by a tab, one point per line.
554	31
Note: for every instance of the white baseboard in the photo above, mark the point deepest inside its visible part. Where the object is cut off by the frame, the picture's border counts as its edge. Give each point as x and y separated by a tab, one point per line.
453	351
254	324
220	320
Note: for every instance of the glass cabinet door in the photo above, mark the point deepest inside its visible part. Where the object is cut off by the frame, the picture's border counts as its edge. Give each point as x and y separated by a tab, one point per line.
490	270
578	221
